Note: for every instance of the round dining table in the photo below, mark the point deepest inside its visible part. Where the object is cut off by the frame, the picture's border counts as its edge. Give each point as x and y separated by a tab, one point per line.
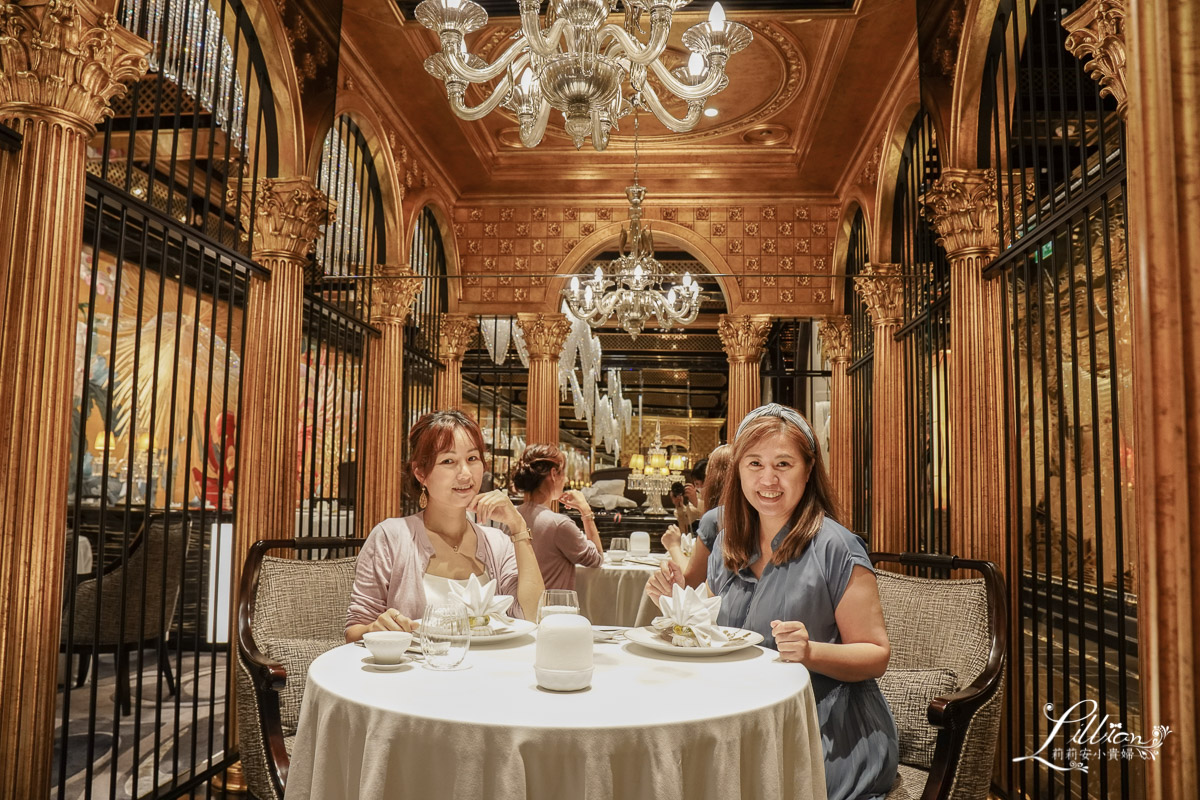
612	594
652	726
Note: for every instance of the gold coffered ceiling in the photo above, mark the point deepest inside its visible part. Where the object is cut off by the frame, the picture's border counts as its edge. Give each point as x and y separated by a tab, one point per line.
797	109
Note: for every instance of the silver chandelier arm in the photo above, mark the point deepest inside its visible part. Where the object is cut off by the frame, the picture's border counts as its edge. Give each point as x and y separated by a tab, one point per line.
457	60
543	44
700	91
634	50
665	117
532	133
461	109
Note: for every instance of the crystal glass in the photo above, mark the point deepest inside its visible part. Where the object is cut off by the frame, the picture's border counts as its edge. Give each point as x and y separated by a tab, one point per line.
445	635
557	601
618	549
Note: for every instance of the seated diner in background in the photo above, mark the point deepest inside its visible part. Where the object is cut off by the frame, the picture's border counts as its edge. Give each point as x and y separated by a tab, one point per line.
785	568
695	565
409	562
557	541
684	500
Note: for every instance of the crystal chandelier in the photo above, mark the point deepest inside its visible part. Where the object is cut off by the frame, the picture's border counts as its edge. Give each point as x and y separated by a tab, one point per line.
635	287
654	473
579	64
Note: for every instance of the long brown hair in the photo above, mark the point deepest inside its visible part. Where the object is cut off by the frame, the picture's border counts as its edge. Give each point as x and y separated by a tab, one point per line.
714	478
741	518
433	433
535	465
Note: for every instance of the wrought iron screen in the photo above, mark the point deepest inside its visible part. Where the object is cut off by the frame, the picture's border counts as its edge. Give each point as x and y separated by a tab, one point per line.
796	375
862	357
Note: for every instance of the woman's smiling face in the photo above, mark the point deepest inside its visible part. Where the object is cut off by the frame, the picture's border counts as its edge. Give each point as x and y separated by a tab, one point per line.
456	475
773	475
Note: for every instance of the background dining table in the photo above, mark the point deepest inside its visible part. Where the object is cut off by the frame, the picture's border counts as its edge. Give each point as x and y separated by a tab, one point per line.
652	726
612	594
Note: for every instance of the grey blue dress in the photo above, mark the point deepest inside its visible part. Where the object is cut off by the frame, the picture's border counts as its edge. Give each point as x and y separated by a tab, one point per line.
858	734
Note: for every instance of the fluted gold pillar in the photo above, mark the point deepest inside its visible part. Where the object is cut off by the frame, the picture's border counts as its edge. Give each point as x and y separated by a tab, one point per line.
743	337
288	213
60	65
962	206
1164	249
379	465
455	332
834	333
881	288
544	336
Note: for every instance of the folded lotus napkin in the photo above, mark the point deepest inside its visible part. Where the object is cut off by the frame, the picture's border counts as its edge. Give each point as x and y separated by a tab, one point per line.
689	616
487	610
687	543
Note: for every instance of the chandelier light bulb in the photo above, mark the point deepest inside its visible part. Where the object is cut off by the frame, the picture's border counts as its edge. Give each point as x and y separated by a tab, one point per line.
574	284
587	295
716	16
526	79
687	279
598	275
671	296
637	273
695	65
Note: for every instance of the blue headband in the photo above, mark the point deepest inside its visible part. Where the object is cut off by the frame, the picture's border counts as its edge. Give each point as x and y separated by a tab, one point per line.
784	413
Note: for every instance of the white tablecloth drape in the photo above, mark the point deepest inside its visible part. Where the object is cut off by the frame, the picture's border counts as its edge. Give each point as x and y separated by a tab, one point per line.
611	594
651	727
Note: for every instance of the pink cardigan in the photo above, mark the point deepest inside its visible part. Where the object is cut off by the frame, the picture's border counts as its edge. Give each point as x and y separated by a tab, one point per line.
391	569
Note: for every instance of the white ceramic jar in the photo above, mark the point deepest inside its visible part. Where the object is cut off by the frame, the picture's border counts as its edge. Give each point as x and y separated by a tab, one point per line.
563	655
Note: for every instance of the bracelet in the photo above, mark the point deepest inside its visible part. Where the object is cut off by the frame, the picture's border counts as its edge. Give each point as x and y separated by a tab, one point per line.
523	535
586	516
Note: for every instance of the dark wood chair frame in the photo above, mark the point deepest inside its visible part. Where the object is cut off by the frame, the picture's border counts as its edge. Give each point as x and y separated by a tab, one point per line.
269	677
951	715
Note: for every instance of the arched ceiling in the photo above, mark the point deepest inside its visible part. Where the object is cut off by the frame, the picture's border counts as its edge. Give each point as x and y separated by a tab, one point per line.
795	113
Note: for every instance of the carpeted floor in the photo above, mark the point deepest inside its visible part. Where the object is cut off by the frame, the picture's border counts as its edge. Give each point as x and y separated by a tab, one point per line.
163	743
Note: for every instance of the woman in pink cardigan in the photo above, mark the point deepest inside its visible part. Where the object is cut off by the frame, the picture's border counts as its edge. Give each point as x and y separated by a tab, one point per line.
409	562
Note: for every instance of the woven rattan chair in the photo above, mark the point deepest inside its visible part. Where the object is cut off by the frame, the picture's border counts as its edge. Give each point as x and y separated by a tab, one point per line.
949	639
289	612
129	608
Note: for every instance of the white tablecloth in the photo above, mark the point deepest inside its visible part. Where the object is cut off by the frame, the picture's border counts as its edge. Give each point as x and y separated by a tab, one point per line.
651	727
611	594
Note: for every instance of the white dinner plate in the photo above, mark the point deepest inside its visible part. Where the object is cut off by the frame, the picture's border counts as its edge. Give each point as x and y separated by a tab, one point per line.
520	627
648	637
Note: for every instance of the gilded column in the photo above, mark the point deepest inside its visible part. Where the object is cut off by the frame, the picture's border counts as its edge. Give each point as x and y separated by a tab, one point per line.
379	465
288	213
834	333
743	337
455	332
544	335
60	65
1096	34
881	288
1164	249
962	205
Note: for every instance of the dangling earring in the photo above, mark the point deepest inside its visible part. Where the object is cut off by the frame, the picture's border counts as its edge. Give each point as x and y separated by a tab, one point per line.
423	500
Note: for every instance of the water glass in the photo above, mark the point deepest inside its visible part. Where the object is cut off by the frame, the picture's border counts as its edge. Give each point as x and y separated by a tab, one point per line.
618	549
557	601
445	635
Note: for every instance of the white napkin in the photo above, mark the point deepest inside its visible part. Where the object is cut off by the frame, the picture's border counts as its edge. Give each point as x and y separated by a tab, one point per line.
687	543
481	600
694	609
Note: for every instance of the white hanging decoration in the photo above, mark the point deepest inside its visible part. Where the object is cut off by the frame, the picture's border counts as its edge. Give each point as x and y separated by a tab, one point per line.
518	339
496	333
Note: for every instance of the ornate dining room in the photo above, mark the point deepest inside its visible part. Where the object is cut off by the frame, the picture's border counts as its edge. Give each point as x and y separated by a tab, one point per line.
602	292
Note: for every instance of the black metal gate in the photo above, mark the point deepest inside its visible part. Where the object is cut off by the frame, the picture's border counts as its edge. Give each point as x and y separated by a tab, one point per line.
862	359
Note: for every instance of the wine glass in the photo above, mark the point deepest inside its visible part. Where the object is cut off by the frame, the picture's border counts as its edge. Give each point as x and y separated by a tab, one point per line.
557	601
618	549
445	635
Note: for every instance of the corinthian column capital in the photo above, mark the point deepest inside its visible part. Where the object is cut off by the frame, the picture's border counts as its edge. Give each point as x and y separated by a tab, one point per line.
1097	31
834	333
455	332
962	206
544	334
743	336
288	215
395	288
64	58
882	289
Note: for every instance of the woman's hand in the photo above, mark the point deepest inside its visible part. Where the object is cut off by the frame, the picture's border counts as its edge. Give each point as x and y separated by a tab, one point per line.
495	505
662	582
392	620
672	538
791	640
573	498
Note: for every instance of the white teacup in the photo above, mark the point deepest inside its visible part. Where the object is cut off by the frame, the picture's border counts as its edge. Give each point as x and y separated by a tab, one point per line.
387	647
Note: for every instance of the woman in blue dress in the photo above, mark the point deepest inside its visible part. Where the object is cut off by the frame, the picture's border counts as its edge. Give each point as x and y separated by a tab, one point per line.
786	569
